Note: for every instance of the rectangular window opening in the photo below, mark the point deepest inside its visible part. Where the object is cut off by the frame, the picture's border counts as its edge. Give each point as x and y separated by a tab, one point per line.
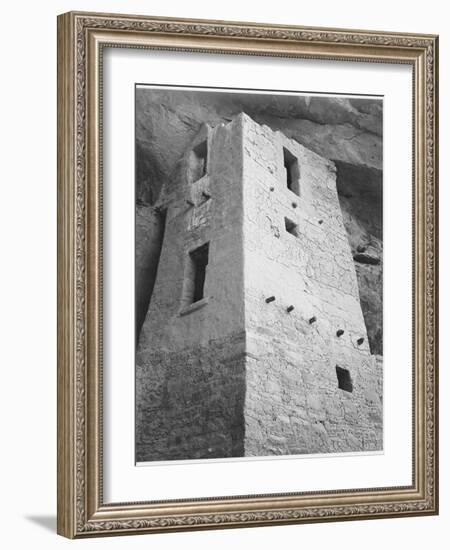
291	227
198	161
292	171
197	273
344	379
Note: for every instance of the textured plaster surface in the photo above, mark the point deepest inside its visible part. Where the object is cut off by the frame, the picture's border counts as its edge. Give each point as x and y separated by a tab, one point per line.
293	403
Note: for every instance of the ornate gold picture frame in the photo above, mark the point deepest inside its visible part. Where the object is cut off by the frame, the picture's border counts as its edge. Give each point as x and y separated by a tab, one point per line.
82	41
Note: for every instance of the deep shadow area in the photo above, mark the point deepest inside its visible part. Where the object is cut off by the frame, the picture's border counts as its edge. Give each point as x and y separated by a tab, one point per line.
150	225
46	522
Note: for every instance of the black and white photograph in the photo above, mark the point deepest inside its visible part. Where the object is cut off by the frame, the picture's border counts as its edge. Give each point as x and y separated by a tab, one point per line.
258	273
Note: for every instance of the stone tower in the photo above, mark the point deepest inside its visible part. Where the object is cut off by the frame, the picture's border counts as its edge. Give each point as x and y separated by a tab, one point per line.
254	342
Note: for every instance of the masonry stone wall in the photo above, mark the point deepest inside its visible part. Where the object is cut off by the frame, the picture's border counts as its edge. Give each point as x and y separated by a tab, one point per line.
251	369
191	402
190	364
293	401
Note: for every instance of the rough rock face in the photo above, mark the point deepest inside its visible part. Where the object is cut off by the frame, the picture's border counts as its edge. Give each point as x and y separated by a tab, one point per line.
149	236
360	192
348	131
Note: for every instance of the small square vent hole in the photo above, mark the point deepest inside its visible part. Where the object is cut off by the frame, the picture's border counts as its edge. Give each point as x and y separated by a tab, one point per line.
291	227
344	379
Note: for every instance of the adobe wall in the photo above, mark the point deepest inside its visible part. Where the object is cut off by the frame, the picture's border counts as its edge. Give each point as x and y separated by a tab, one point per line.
190	402
190	364
293	402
